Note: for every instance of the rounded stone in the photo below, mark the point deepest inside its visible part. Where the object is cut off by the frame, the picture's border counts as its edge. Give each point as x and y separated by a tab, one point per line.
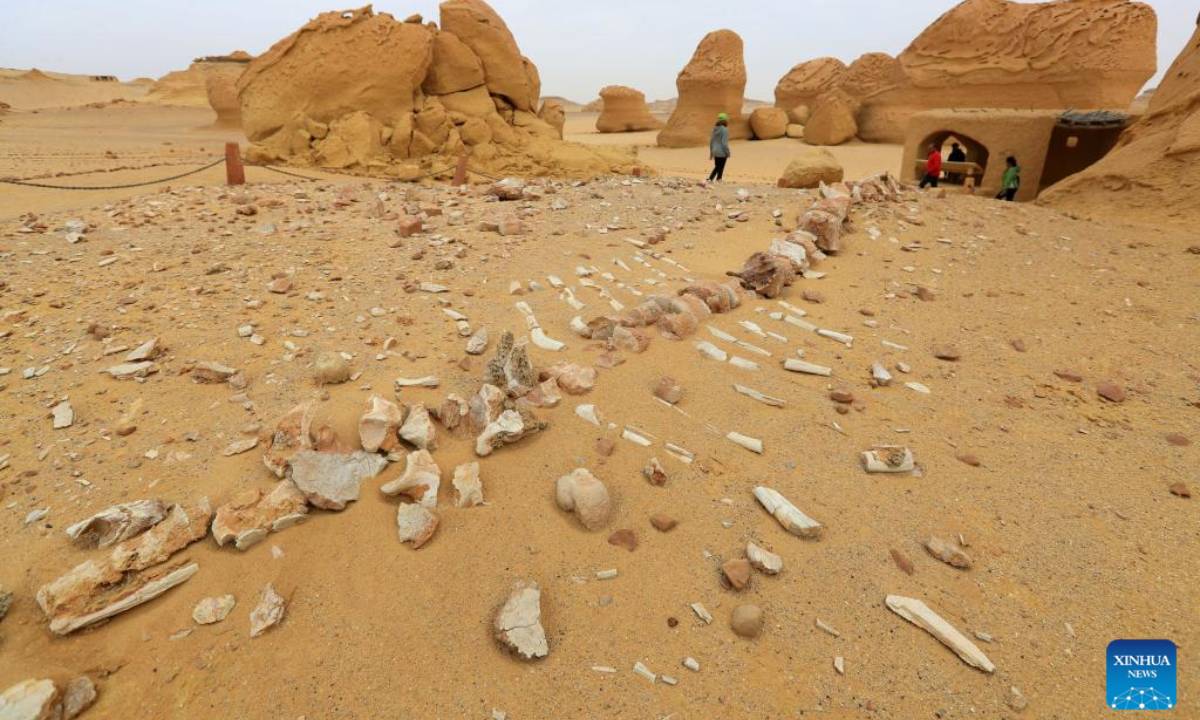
747	621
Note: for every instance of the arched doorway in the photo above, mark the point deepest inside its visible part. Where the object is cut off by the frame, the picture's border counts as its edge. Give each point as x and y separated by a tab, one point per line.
955	174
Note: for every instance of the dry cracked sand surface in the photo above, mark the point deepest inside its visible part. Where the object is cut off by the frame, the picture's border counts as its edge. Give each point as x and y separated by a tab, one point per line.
1075	537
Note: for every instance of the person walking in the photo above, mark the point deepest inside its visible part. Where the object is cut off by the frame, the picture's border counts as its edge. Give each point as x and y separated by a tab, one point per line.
933	167
1012	180
718	147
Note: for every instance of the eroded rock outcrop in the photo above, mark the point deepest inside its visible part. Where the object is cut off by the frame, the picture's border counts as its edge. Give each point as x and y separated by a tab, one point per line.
713	82
220	86
807	82
623	109
1153	172
998	54
359	89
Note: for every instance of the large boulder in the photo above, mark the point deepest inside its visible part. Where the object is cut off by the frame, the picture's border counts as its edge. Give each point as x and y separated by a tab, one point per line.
1001	54
339	64
1151	176
812	167
833	122
455	67
768	123
713	82
360	90
623	109
221	87
808	81
508	73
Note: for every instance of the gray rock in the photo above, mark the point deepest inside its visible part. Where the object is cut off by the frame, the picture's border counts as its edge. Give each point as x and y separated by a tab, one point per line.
331	481
519	626
213	609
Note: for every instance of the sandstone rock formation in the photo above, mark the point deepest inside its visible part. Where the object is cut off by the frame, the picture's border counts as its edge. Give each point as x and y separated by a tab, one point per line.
807	82
868	74
220	86
713	82
189	88
553	114
623	109
812	167
833	121
357	89
768	123
1155	168
999	54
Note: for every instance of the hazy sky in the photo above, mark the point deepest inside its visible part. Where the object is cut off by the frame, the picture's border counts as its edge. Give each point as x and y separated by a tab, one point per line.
578	46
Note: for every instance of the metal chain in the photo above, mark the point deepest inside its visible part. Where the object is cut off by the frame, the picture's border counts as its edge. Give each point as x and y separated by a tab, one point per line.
24	183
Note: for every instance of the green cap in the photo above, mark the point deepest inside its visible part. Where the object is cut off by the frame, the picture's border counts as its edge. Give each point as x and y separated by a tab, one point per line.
723	116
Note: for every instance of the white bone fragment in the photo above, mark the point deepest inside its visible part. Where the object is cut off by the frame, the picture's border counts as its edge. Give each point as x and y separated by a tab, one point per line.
711	351
821	625
919	614
606	574
807	368
454	314
788	515
544	341
756	395
721	334
644	671
837	336
800	312
880	374
702	613
684	455
918	387
743	363
555	282
579	327
429	382
752	348
894	346
752	444
840	665
635	438
604	669
752	328
691	664
888	459
589	413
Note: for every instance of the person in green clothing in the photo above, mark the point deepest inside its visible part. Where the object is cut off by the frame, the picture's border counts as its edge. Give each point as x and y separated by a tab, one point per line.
718	147
1012	180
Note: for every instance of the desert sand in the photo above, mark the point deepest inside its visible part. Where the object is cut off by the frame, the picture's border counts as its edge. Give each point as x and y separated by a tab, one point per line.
1040	362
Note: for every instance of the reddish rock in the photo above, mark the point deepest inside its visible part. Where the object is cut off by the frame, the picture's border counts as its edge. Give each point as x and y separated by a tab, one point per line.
970	459
409	226
868	312
605	447
1111	392
737	573
1178	440
925	294
903	562
279	286
623	539
668	390
1068	375
663	523
1019	345
1181	490
813	296
946	352
842	396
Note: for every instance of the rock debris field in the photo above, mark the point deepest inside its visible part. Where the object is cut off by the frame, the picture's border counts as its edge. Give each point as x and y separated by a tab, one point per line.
622	447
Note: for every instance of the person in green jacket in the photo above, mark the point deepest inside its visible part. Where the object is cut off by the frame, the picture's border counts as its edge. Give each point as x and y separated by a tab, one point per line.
1012	180
718	147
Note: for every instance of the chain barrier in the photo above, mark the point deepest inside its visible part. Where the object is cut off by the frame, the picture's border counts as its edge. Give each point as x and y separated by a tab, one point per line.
25	183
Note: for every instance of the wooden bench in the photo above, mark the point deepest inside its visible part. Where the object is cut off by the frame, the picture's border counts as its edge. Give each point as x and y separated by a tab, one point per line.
968	169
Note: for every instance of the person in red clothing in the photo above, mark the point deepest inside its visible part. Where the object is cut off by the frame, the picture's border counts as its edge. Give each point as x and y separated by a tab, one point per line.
933	167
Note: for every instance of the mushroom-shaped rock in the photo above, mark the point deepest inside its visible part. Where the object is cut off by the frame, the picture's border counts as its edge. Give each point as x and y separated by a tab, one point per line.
581	493
625	110
713	82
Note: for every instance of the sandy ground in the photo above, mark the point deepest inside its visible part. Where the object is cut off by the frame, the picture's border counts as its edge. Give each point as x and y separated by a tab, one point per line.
1075	538
759	162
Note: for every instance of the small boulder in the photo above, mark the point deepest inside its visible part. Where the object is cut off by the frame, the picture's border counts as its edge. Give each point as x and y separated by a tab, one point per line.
213	609
811	167
768	123
747	621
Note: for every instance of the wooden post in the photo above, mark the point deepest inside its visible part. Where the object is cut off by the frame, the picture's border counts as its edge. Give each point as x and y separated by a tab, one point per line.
460	172
235	173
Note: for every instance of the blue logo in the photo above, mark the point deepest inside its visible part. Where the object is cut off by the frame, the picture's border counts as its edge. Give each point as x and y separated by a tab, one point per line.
1141	675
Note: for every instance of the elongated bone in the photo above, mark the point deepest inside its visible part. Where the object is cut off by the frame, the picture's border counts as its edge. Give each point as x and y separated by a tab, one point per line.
752	348
711	351
429	382
635	438
743	363
765	399
544	341
837	336
919	614
684	455
807	368
589	413
752	328
754	445
788	515
721	334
